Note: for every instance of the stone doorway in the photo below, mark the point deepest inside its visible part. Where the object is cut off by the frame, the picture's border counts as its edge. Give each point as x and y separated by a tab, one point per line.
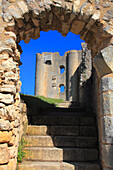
23	20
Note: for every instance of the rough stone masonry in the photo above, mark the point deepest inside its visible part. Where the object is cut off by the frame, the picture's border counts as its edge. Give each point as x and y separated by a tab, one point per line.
23	20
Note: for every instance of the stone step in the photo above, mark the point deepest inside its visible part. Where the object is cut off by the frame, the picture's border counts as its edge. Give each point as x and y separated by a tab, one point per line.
58	154
63	120
68	104
28	165
61	141
62	130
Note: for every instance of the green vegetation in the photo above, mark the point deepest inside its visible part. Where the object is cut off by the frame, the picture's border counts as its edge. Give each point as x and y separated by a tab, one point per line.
40	101
50	100
21	153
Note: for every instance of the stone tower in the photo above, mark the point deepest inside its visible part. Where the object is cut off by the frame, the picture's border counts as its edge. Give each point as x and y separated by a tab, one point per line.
55	72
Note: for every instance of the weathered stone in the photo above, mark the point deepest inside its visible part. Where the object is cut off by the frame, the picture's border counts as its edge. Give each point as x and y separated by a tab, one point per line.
23	7
4	124
10	75
108	15
11	1
106	83
93	19
11	34
3	167
75	5
16	123
107	54
86	11
35	22
14	12
7	17
12	164
2	105
9	65
8	88
107	155
6	49
65	28
13	151
4	56
10	112
6	98
106	4
107	129
20	23
107	100
4	154
5	136
77	27
99	63
15	131
12	140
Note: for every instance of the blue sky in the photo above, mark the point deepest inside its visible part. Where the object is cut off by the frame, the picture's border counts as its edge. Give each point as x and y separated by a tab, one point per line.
50	41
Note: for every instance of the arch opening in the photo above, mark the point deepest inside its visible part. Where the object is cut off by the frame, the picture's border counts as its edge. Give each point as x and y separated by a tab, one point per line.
23	20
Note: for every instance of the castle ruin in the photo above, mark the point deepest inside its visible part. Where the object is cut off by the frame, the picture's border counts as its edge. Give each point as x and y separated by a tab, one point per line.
54	72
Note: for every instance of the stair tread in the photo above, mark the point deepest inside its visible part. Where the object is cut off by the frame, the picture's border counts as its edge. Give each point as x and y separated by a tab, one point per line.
60	136
57	163
57	148
78	114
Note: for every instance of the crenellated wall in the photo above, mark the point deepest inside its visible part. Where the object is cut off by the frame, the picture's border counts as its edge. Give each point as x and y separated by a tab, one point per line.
49	77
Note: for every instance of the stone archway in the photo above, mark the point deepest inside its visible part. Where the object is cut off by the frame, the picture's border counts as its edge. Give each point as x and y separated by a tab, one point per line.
23	20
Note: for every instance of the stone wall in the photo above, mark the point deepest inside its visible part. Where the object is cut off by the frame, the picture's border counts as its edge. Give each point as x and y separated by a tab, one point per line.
23	20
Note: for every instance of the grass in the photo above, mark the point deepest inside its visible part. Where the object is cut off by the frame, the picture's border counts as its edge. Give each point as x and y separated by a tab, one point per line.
50	100
40	101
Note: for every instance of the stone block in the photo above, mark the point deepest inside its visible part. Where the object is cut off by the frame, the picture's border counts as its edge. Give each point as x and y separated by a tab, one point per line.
14	12
9	65
4	56
44	154
77	26
107	54
106	83
12	164
5	125
11	1
107	155
101	66
5	136
13	151
23	7
12	140
104	168
8	88
93	19
11	34
107	129
107	103
3	167
6	98
4	154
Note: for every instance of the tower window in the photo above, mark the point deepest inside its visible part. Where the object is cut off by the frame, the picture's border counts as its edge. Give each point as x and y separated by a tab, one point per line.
62	88
62	69
48	62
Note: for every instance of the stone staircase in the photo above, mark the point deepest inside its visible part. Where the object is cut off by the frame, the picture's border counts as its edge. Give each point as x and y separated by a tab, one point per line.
62	139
